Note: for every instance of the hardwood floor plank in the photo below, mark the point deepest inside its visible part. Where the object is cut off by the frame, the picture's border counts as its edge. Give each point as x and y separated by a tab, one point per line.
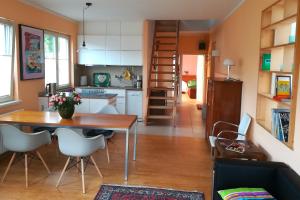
182	163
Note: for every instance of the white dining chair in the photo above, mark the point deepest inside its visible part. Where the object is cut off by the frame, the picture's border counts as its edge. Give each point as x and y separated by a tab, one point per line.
75	145
108	134
17	141
240	134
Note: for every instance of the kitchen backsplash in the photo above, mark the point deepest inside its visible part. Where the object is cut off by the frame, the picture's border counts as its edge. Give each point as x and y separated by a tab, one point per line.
116	73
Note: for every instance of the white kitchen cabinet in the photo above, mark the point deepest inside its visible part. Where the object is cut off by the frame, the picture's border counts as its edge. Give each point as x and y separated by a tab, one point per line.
113	28
131	58
113	57
131	42
94	28
113	42
96	105
96	42
84	107
120	99
91	57
135	103
132	28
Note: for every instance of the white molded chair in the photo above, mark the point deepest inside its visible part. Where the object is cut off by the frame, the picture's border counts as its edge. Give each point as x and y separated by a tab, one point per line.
108	109
76	145
239	135
17	141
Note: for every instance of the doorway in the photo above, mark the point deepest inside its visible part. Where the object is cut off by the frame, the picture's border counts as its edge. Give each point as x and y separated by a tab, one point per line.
192	78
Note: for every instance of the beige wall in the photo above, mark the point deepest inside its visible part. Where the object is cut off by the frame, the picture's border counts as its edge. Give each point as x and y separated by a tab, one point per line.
189	64
189	43
238	38
20	13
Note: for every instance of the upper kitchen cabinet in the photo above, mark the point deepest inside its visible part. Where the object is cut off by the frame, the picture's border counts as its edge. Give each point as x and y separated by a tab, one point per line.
112	43
93	41
132	28
113	28
91	57
131	42
94	28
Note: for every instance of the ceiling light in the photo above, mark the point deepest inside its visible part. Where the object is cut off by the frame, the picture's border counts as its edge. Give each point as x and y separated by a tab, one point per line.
87	5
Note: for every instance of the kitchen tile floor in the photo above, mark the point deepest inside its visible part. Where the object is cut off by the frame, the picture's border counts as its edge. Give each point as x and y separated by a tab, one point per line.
189	122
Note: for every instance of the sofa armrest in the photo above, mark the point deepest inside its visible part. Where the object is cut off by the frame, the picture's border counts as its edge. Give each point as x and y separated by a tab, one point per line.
242	173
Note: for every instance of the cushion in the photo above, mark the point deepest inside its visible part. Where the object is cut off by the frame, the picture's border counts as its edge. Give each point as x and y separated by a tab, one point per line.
245	194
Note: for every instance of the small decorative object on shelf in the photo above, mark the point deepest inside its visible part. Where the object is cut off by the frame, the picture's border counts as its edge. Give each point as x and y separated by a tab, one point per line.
236	147
283	87
266	62
65	104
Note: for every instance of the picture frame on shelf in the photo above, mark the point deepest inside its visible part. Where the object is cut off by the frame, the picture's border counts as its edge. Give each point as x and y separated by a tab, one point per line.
32	62
283	87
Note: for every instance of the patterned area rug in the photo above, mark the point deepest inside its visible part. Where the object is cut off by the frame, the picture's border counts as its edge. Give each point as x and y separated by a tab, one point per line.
114	192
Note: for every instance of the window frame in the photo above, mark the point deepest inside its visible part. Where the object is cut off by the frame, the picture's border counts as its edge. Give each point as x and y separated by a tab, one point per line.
11	97
61	35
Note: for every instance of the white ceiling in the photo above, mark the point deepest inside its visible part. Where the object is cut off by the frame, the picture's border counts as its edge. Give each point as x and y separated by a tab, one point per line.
140	9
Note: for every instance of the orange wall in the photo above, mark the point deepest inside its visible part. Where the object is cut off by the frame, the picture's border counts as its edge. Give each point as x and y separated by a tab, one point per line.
238	38
189	43
20	13
189	63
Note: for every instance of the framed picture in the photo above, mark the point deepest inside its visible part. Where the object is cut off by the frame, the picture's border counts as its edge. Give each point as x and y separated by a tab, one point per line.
284	86
32	62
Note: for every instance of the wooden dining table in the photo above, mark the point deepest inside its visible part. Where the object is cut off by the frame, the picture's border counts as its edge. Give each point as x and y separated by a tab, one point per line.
79	120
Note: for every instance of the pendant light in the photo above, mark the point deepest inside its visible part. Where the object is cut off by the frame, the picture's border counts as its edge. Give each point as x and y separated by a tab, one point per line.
87	5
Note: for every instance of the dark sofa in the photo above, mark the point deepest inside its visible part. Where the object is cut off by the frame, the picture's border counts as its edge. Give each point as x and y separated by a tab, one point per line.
277	178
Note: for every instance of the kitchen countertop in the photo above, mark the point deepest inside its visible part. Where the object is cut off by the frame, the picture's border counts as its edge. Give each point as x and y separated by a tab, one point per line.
89	96
111	87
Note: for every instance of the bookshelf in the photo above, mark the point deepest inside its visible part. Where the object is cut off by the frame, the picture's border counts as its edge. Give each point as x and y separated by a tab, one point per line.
278	69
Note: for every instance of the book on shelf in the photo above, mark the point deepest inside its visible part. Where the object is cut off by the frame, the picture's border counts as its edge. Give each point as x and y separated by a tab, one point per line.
281	87
236	147
280	124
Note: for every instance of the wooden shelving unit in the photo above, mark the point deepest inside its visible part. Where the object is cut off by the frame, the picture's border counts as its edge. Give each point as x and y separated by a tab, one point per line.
279	27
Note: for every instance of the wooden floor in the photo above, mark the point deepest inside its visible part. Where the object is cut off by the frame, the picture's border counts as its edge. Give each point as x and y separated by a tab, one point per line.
171	158
167	162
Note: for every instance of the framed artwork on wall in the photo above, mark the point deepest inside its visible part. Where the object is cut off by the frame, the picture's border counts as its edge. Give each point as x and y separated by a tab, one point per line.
32	62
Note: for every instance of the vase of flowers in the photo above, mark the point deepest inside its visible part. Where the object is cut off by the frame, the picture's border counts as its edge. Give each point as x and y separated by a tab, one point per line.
65	104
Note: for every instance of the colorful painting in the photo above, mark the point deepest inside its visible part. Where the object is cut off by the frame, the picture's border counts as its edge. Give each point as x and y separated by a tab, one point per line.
32	53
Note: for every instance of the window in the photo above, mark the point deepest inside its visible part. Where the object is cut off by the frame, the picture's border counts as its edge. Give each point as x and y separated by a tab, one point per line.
6	60
57	59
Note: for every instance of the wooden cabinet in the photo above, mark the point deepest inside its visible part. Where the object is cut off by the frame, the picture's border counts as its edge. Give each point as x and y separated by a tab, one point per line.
278	69
223	102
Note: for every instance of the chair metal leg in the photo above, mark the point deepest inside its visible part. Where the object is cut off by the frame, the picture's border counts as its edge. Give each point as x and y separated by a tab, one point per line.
96	166
77	164
82	176
63	171
26	170
107	151
43	161
8	167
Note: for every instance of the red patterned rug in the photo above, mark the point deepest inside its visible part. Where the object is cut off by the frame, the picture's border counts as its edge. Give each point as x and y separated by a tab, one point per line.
114	192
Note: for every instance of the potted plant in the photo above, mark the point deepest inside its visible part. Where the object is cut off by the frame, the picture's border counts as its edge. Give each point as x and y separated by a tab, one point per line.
65	104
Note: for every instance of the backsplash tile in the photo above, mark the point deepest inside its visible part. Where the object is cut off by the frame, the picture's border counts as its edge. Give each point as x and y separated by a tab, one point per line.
115	71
